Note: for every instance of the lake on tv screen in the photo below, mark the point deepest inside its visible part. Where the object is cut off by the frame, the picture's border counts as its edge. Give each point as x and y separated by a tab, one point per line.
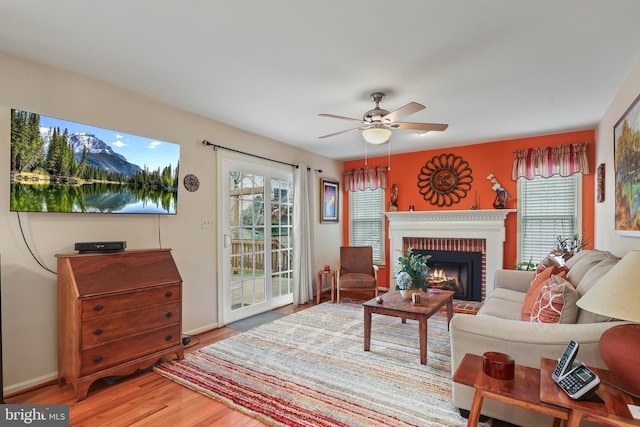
63	166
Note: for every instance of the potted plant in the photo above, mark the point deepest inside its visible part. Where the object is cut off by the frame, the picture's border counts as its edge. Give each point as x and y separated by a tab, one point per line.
567	247
412	273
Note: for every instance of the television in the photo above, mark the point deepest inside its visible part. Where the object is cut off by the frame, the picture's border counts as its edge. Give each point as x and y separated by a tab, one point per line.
64	166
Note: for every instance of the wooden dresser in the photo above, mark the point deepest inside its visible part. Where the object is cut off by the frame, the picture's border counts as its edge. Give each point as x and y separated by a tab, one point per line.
117	313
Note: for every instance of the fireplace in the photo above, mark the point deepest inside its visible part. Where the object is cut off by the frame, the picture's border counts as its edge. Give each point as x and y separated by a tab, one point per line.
457	230
456	271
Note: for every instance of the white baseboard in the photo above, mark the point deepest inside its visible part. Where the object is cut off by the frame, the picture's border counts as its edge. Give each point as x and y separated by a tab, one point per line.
31	383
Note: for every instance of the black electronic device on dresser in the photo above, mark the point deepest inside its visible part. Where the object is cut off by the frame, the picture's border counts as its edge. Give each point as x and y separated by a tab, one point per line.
98	247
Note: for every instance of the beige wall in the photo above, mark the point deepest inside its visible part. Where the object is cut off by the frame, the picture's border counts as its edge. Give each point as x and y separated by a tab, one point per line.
605	235
29	292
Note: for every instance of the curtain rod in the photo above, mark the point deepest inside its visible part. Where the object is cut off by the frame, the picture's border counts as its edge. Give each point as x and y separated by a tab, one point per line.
215	146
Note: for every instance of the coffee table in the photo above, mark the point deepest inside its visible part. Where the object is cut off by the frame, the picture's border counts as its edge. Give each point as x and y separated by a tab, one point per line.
393	304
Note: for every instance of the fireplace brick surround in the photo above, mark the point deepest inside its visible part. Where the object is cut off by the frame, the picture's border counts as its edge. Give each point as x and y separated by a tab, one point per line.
469	230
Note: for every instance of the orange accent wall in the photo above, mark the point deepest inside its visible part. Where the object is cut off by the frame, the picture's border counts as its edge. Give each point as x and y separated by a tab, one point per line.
491	157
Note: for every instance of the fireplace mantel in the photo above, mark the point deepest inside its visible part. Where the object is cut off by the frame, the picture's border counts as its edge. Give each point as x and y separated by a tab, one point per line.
485	224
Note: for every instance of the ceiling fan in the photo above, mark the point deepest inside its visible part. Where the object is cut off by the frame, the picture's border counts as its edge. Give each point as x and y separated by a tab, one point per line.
376	124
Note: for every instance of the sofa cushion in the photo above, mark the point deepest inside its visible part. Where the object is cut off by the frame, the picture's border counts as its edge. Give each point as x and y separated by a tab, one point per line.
508	295
588	281
582	262
497	307
556	302
536	284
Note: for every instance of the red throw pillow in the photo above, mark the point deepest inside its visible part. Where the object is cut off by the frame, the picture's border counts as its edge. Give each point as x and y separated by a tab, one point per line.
556	302
534	289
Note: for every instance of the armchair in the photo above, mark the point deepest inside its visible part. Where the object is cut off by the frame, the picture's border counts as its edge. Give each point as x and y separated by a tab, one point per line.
356	271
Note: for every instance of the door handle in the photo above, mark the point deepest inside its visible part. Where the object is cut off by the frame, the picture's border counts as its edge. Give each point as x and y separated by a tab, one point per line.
227	240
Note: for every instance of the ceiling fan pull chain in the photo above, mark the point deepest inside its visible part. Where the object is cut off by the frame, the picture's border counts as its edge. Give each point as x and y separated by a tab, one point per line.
366	163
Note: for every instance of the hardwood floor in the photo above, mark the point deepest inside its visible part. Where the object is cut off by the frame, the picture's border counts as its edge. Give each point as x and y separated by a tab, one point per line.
148	399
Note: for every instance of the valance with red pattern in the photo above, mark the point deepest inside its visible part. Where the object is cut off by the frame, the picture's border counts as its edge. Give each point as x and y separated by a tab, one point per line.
563	160
365	178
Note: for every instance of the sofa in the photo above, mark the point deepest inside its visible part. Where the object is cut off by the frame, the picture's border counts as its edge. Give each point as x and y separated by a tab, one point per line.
499	325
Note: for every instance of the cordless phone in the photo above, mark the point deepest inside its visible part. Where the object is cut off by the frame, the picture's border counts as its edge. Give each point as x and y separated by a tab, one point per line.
579	382
565	364
574	378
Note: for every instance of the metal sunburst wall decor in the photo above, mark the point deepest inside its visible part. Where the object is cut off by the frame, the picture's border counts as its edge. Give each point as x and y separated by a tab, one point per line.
445	180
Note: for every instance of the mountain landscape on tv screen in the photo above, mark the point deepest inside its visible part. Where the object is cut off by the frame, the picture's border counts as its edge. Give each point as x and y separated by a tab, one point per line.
68	168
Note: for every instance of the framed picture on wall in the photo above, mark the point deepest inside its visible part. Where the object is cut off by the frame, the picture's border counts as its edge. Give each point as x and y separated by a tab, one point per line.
626	139
329	197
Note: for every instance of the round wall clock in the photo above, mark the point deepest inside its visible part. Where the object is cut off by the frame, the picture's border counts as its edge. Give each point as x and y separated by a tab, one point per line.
191	182
445	180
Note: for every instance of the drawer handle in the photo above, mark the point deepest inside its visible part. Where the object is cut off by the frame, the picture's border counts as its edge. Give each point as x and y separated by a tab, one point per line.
98	331
98	307
98	359
169	294
168	338
168	315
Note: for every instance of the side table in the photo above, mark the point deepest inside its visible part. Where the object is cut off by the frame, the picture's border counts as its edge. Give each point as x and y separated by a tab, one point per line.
534	389
612	411
522	391
321	275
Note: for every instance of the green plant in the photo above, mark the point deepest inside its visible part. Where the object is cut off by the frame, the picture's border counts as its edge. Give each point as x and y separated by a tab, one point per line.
412	271
525	266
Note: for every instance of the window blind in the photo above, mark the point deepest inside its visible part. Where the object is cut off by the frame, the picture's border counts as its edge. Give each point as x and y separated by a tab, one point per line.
367	221
549	207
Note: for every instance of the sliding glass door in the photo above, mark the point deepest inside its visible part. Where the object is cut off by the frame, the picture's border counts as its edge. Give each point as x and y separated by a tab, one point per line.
256	245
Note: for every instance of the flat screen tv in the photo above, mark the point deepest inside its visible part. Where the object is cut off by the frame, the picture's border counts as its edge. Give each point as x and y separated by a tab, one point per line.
63	166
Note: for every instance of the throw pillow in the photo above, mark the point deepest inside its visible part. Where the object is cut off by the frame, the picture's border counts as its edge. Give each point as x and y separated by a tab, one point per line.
556	302
549	261
535	286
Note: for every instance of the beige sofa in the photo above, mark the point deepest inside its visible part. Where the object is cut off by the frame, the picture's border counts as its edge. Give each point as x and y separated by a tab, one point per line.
498	326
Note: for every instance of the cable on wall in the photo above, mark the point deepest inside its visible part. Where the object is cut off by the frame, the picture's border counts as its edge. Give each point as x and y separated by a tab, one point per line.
215	147
28	247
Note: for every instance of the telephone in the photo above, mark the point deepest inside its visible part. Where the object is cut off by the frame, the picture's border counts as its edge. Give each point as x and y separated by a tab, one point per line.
574	378
566	361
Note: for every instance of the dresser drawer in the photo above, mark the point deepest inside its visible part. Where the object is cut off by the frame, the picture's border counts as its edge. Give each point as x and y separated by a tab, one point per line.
114	352
101	306
106	328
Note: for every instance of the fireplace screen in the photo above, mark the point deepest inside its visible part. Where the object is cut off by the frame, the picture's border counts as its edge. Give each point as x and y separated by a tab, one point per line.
456	271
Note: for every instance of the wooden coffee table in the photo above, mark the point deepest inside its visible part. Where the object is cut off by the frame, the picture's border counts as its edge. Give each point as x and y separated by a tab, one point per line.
393	304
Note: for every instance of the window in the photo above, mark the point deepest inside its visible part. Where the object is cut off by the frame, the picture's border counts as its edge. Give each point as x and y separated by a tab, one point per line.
548	208
367	221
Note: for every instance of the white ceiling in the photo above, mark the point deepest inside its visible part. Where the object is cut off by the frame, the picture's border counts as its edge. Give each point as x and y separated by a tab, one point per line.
491	69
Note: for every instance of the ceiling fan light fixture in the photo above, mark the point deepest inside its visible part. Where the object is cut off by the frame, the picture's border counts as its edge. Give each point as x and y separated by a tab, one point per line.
376	135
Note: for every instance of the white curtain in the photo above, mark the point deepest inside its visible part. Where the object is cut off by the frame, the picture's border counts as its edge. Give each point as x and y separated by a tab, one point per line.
303	235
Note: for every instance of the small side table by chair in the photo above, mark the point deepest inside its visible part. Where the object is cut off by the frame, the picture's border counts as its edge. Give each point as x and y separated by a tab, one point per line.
321	275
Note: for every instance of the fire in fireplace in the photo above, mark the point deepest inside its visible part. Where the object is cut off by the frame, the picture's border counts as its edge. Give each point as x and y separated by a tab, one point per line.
455	271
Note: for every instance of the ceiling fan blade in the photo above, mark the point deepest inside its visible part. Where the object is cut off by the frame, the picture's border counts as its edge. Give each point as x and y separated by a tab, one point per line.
342	131
410	108
333	116
420	126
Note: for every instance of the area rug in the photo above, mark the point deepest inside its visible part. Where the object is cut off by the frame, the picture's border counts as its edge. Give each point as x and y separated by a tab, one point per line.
310	369
255	321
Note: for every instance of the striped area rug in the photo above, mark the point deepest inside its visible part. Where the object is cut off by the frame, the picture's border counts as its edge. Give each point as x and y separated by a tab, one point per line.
310	369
